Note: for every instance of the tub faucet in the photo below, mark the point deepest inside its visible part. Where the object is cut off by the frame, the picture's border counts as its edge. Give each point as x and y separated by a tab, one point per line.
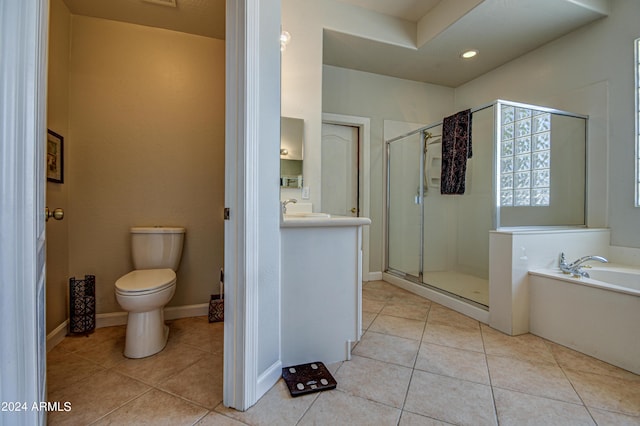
285	202
575	268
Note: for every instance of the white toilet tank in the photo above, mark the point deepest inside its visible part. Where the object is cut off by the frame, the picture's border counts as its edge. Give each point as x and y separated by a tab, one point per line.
157	247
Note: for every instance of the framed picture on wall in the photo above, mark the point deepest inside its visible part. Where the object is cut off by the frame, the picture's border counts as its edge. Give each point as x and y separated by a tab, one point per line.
55	146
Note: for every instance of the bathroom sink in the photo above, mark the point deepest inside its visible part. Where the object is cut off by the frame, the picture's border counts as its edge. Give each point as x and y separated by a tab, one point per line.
297	215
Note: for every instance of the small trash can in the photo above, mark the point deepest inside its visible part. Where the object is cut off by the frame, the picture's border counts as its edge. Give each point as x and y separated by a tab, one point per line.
82	305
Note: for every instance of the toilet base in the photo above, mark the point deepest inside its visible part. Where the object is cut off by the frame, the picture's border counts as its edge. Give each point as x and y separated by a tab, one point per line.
146	333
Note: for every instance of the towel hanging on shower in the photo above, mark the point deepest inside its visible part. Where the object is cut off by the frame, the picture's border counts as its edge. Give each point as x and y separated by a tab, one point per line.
456	148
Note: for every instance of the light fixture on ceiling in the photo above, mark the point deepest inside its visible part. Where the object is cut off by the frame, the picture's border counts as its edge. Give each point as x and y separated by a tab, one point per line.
468	54
285	38
169	3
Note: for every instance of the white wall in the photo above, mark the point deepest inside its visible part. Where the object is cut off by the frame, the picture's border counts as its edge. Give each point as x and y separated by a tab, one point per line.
381	98
588	71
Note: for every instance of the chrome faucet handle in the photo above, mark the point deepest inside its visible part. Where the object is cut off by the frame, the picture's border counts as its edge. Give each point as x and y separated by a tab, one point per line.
563	261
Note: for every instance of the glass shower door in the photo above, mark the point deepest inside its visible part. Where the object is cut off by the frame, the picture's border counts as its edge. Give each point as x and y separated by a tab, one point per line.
404	206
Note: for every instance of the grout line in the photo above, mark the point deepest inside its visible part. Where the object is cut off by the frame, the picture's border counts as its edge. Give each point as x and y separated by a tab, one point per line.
122	405
486	361
564	373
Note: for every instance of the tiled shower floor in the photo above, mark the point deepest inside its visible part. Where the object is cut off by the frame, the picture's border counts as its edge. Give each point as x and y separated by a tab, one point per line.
418	363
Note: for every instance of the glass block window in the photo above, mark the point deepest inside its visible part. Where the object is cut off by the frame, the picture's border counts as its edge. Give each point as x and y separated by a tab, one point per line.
637	158
525	157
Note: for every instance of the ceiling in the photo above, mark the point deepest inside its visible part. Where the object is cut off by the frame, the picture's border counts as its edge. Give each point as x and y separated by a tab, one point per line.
200	17
501	30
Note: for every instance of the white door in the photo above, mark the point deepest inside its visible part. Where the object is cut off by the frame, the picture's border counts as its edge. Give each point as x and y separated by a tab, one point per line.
340	169
252	231
23	43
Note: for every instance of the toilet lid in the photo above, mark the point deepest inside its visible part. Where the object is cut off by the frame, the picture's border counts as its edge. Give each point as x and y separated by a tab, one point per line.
144	280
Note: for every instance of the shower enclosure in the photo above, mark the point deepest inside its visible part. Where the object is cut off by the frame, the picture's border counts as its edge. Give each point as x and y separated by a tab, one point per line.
527	169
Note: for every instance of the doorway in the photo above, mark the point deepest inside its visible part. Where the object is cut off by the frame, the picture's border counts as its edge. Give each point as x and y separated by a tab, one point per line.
363	158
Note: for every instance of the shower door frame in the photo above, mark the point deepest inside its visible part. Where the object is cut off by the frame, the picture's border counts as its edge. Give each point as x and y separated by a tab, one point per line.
494	208
387	268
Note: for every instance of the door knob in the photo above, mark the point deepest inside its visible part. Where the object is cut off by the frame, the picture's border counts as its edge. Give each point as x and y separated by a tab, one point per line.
354	210
57	214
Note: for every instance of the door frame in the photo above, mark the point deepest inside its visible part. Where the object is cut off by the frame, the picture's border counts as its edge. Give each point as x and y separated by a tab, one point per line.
23	77
364	149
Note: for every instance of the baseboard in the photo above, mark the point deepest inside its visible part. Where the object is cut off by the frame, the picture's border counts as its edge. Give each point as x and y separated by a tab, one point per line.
111	319
269	378
57	335
187	311
375	276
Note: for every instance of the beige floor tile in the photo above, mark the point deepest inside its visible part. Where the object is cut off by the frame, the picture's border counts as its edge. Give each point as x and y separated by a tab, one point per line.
94	397
404	297
568	358
517	409
157	368
406	310
276	407
217	419
401	327
453	362
338	408
385	347
456	337
526	346
450	400
200	383
375	380
439	314
534	378
411	419
606	392
367	319
608	418
198	332
155	408
65	369
107	353
73	343
381	285
378	295
372	305
333	367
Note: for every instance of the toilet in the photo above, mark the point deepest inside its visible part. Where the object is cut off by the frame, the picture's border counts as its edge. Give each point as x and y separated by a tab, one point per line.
144	292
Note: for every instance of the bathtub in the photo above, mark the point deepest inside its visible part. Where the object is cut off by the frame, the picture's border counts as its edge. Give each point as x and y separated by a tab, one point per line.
598	316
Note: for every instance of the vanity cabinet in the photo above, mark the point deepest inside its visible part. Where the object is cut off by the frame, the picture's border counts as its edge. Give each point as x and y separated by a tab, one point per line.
321	288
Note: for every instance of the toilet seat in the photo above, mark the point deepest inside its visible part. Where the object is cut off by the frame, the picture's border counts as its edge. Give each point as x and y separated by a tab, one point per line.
145	281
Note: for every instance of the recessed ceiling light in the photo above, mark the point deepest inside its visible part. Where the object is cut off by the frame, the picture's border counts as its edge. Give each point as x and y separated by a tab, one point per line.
468	54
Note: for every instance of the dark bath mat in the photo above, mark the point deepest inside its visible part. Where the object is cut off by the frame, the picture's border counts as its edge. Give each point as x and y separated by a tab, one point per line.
308	378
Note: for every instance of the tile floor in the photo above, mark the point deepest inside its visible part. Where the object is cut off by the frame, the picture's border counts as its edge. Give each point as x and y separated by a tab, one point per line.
418	363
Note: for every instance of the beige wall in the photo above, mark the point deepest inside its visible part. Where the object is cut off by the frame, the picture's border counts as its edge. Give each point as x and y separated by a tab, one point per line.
147	133
57	194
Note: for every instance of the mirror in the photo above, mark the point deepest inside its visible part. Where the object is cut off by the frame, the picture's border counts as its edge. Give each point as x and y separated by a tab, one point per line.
291	147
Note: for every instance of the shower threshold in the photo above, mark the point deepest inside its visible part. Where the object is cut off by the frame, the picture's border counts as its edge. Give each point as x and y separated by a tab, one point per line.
454	301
